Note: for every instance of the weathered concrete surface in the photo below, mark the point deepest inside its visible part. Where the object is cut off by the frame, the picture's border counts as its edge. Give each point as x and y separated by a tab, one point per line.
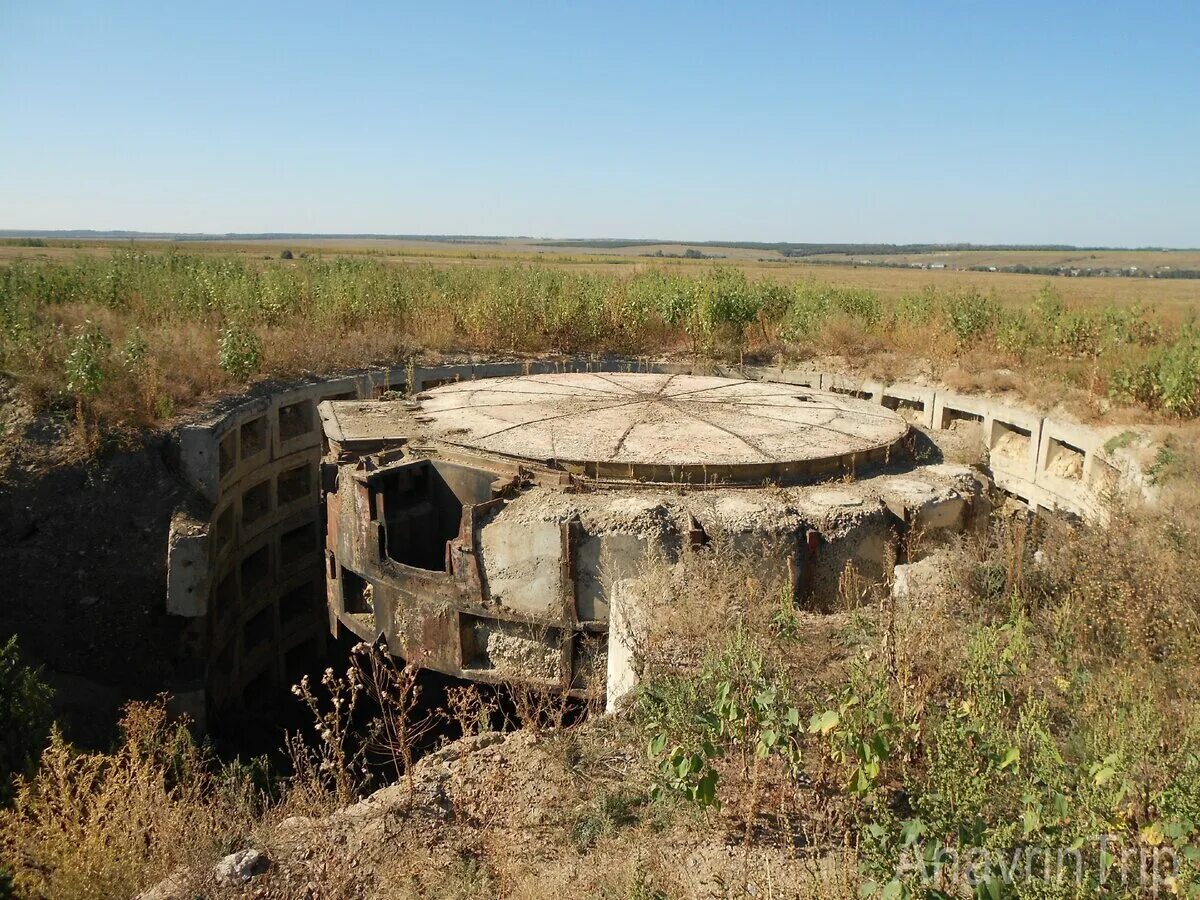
188	575
641	425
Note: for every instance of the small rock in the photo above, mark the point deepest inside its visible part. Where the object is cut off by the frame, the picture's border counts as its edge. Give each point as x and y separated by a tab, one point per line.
240	867
295	822
173	887
89	600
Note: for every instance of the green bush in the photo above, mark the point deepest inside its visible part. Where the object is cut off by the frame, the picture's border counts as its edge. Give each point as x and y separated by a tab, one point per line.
88	353
970	315
1168	380
240	351
735	708
25	717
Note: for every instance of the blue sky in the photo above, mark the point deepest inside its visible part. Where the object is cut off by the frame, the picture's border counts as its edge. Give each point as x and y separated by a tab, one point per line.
1008	122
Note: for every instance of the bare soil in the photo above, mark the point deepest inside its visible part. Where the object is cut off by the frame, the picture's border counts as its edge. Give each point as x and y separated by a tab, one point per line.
83	549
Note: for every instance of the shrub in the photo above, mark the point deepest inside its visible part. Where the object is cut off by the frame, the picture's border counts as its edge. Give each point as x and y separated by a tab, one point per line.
240	351
99	825
727	303
970	315
85	361
1168	380
736	708
25	717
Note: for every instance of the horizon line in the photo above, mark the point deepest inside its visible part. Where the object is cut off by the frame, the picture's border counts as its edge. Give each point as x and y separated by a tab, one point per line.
615	242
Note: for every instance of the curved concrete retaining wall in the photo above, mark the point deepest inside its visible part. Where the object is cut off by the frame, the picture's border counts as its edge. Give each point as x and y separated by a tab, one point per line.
246	561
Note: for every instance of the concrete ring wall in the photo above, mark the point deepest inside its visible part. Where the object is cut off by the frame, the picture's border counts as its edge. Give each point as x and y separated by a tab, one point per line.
248	573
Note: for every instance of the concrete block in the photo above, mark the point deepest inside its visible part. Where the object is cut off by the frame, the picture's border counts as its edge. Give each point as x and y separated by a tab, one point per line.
949	408
800	377
522	566
627	629
859	388
1013	439
216	453
296	425
1066	455
602	562
914	402
188	574
925	507
427	377
497	370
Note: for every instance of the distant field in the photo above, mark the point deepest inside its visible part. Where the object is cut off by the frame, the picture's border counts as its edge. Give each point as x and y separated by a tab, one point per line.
1174	297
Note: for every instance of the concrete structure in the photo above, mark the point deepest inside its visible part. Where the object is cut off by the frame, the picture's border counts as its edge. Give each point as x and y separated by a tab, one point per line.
250	558
490	529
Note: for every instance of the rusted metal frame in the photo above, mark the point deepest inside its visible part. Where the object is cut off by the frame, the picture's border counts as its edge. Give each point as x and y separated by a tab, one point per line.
571	533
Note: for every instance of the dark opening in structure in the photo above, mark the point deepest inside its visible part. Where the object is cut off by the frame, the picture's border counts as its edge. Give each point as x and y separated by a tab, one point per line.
420	506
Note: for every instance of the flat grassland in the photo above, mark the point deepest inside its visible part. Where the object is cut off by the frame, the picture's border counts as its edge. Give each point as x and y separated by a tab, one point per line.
1171	295
131	332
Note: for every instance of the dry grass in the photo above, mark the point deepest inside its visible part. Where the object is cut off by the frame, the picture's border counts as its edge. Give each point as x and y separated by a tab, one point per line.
1078	647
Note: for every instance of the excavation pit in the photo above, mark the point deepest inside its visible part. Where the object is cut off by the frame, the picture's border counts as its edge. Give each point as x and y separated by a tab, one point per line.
501	526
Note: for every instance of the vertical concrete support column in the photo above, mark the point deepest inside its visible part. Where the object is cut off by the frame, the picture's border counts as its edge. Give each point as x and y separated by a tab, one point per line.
189	585
627	632
188	574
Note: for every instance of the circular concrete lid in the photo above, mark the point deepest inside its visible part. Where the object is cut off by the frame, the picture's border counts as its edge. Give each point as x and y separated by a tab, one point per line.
662	427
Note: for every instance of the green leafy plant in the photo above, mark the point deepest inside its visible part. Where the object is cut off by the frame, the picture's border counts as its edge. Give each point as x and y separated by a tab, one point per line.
735	710
89	349
240	351
25	717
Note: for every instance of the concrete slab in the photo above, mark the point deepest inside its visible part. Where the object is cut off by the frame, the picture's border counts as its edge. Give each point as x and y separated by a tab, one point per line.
639	425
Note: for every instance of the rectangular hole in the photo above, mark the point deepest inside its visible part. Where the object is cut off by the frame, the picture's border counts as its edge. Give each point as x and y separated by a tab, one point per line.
909	410
256	569
395	387
225	528
850	392
1064	461
298	603
899	404
295	419
299	661
254	437
294	484
958	419
256	502
259	629
227	454
356	593
227	593
526	652
422	505
344	396
297	544
260	690
1011	441
224	661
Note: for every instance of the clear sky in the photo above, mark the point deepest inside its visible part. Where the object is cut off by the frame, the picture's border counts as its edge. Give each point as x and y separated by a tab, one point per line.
1011	122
